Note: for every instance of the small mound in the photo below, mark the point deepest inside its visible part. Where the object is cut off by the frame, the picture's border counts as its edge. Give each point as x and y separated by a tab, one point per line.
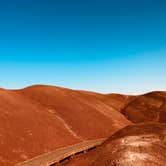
135	145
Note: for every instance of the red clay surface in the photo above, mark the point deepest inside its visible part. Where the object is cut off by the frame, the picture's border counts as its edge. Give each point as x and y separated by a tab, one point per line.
39	119
145	108
135	145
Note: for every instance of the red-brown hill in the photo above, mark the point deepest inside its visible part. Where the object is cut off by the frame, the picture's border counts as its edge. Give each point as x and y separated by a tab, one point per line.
27	129
39	119
142	144
145	108
81	111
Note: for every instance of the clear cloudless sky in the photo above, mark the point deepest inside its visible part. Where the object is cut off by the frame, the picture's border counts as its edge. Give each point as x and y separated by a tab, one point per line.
99	45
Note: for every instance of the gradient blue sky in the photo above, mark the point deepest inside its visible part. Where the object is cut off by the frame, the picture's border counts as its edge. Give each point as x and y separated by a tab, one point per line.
99	45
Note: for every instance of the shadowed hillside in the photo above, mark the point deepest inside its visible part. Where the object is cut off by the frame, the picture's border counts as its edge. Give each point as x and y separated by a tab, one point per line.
148	107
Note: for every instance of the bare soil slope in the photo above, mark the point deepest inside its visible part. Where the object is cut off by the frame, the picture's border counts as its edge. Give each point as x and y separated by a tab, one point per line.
86	113
27	129
135	145
39	119
145	108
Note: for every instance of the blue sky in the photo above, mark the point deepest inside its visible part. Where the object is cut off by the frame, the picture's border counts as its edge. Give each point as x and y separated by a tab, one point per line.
99	45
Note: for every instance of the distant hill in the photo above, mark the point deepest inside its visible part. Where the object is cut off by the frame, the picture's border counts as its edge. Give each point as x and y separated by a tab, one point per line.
148	107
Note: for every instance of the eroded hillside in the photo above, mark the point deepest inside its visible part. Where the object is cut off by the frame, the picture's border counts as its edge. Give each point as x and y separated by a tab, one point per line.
148	107
135	145
39	119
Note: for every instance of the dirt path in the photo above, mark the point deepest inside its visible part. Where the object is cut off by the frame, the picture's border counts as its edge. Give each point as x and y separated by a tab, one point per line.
62	153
